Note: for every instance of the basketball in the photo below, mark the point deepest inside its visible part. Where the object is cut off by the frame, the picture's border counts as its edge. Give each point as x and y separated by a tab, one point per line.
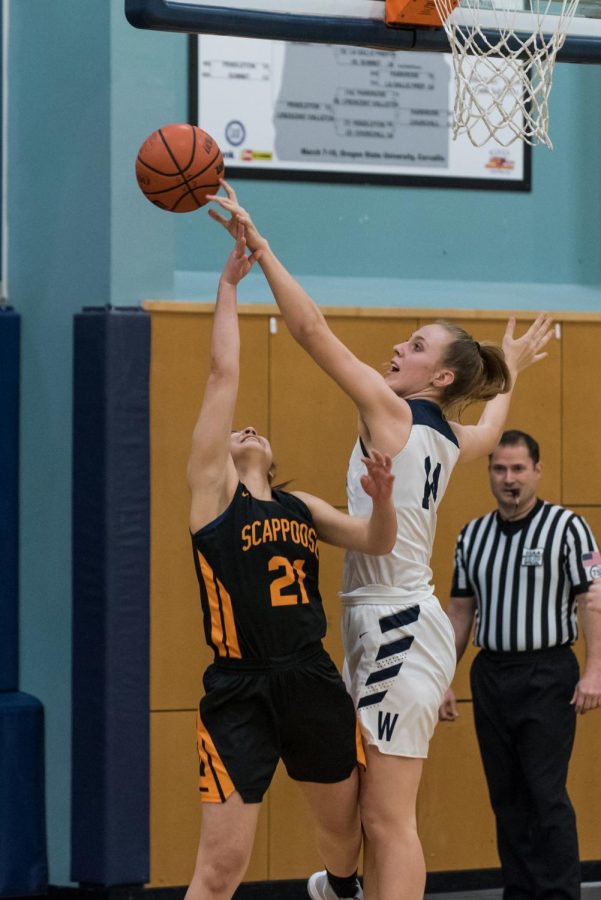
177	166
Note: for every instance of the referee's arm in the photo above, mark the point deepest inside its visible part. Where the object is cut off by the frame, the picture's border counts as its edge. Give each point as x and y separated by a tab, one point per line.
461	612
587	694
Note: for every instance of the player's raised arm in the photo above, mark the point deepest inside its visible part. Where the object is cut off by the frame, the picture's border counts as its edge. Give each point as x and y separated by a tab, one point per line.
481	439
376	534
386	415
211	473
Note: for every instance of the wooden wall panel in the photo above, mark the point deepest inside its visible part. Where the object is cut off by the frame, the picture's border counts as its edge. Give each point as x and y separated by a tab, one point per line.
581	403
313	424
312	427
175	809
454	819
584	784
180	365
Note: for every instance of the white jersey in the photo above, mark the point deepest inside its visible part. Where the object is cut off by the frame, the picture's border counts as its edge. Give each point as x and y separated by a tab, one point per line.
422	470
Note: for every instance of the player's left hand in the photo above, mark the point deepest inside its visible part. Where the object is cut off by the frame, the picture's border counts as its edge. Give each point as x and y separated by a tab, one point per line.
238	263
529	348
587	694
377	482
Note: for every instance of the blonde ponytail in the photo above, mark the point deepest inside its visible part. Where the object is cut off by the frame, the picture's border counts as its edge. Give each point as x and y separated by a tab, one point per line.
480	369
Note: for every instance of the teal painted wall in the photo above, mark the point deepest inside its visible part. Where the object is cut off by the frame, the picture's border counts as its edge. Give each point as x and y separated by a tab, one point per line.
549	235
84	90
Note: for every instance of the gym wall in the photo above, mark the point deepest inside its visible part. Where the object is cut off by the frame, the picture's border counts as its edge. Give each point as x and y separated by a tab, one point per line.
312	427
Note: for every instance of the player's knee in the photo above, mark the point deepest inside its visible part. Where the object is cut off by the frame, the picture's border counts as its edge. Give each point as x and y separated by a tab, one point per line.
341	829
223	872
388	825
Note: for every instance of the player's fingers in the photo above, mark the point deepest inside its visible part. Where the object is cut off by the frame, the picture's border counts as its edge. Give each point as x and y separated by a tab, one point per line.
540	329
215	215
366	483
510	328
544	339
254	257
228	188
542	321
224	202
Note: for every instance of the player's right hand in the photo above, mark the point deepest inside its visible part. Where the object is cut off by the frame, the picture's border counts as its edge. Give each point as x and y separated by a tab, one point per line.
238	216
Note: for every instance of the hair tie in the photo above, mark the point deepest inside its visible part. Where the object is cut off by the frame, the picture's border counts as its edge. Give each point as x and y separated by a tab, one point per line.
477	346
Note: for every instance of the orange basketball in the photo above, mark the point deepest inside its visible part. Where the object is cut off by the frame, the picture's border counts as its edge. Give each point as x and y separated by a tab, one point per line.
177	166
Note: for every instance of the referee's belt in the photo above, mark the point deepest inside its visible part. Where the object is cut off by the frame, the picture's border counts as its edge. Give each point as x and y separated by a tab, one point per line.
525	654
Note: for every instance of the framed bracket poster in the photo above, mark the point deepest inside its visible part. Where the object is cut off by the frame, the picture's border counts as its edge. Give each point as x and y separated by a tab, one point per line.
326	112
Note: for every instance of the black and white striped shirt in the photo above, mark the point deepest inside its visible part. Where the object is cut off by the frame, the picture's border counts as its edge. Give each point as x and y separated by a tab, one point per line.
525	576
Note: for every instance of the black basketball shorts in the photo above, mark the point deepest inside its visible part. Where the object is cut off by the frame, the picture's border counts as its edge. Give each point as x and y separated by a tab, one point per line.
252	715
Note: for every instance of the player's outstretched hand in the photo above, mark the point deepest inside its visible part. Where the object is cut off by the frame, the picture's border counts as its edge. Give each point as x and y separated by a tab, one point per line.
529	348
238	264
238	216
377	482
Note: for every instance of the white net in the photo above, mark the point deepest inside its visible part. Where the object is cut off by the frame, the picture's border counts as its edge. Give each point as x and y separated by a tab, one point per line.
502	83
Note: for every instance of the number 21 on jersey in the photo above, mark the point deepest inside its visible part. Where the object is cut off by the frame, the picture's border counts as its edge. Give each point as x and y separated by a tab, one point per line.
292	574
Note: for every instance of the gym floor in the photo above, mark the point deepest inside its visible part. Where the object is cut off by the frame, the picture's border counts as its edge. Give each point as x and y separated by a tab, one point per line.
590	891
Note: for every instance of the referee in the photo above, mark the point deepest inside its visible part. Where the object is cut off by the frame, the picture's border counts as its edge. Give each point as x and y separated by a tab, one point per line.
519	574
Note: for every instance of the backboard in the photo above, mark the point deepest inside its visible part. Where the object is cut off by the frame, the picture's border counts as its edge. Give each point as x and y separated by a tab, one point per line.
350	22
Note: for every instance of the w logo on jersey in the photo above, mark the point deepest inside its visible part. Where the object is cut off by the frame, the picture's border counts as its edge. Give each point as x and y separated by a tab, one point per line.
386	724
388	662
431	486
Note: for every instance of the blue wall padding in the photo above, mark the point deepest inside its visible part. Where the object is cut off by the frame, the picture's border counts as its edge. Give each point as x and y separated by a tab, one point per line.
111	590
23	866
10	328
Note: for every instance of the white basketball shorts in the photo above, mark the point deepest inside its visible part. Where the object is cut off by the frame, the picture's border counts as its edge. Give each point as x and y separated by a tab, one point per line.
399	661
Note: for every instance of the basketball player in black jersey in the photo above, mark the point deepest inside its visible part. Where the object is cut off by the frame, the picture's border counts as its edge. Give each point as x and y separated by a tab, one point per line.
272	691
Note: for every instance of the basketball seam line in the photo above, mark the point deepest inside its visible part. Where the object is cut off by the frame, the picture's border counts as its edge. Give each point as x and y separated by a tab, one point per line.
189	191
174	174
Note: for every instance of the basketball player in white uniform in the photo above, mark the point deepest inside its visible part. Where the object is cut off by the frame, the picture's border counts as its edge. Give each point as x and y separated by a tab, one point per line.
399	645
390	609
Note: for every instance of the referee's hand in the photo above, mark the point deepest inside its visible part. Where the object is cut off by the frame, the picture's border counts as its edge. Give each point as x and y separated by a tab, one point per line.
447	711
587	695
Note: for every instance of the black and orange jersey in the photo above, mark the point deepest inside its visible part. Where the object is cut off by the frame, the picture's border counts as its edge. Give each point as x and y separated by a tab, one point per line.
257	566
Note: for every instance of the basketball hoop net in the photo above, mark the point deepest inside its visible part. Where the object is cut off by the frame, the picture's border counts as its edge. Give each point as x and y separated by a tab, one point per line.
502	84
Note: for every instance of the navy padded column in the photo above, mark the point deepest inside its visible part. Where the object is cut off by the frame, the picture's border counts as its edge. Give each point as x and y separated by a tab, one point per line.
10	327
23	867
111	583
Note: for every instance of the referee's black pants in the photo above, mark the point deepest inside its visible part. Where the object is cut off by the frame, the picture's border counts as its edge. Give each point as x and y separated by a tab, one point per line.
526	726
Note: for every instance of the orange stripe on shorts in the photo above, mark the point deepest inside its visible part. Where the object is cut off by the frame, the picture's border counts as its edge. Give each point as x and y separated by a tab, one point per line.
214	783
361	758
